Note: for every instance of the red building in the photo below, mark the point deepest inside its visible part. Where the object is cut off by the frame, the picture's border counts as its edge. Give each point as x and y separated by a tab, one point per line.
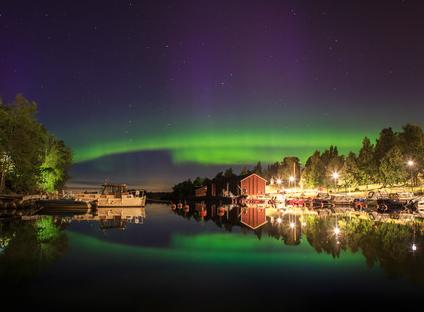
201	191
253	184
253	217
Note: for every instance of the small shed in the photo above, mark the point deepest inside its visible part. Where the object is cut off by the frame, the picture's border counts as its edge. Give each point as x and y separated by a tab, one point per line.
253	184
253	217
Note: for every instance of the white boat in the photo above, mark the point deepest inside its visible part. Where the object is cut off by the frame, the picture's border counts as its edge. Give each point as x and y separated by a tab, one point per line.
115	195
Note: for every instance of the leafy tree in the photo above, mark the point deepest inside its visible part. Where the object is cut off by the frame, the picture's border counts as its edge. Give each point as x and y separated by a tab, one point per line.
22	142
332	162
351	173
411	143
366	162
30	158
313	174
290	167
184	189
54	169
385	142
392	168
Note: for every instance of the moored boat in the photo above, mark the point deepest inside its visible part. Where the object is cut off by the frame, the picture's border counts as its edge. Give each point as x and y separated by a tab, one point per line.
58	206
115	195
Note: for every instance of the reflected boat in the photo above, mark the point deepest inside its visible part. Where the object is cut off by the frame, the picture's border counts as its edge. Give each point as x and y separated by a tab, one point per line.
109	218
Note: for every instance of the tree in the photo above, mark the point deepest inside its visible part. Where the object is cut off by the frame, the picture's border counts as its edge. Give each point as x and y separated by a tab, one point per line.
258	168
366	162
22	142
332	162
385	142
244	171
351	173
411	143
290	167
184	189
313	175
30	157
392	168
229	173
54	169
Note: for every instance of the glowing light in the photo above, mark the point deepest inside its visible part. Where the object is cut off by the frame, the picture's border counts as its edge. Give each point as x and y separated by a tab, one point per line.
291	179
303	223
410	163
279	220
292	225
414	247
223	146
335	175
279	181
336	230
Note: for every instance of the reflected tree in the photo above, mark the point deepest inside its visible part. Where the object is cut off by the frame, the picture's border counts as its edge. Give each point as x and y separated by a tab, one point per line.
29	248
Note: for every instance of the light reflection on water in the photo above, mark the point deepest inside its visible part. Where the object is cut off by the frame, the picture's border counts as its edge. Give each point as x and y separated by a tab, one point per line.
158	251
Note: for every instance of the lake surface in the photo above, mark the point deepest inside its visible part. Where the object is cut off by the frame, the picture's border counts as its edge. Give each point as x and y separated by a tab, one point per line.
209	258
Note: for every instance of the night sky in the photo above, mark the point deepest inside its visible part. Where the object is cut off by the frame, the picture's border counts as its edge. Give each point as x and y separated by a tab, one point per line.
153	92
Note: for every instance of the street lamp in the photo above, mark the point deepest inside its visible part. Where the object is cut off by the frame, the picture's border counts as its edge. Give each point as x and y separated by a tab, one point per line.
411	164
291	180
414	247
335	176
336	230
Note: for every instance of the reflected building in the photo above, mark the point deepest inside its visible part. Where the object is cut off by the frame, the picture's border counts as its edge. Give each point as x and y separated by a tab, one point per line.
253	217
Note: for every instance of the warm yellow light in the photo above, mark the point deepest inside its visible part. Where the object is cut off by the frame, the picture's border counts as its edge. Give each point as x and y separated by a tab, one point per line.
410	163
279	181
335	175
279	220
336	230
292	225
291	179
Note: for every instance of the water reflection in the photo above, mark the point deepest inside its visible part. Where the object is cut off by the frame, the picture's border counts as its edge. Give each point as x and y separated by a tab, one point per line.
394	245
29	244
27	247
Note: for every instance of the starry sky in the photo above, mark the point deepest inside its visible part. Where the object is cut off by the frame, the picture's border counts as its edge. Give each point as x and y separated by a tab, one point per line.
153	92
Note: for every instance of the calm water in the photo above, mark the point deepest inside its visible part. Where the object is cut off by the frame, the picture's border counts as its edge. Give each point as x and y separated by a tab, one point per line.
209	258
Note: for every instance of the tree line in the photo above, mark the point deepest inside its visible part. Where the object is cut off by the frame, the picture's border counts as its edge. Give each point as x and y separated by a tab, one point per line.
31	158
394	158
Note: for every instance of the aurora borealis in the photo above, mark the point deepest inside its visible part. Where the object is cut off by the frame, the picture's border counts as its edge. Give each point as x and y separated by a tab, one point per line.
152	92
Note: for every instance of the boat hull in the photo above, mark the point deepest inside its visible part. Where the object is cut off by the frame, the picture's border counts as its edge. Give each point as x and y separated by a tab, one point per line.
121	202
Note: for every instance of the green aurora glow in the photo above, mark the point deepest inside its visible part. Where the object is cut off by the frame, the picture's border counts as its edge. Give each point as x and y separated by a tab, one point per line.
227	146
221	248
